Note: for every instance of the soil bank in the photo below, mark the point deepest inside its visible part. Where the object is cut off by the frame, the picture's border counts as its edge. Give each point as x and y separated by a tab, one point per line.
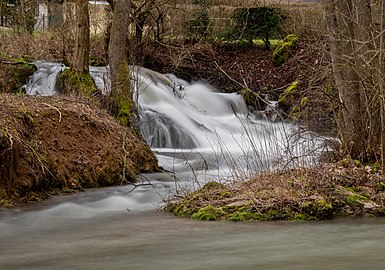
51	145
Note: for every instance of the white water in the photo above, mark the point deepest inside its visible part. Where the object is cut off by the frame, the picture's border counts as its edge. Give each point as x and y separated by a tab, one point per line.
200	135
192	125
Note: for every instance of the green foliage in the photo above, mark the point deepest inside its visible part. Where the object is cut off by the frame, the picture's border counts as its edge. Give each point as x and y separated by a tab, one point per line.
256	22
282	51
198	25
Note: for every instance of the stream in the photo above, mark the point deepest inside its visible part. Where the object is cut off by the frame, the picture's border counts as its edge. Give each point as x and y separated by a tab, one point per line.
94	230
198	135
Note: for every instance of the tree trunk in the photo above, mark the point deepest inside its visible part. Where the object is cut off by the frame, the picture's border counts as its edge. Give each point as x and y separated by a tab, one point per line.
82	42
117	56
341	29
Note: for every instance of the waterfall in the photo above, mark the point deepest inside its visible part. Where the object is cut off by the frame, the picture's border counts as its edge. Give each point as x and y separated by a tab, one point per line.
195	123
43	81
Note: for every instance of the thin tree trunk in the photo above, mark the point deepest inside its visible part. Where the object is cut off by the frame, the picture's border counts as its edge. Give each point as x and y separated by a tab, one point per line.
341	29
117	56
82	42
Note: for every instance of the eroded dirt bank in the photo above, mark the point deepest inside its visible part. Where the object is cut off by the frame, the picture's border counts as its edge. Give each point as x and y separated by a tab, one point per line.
62	144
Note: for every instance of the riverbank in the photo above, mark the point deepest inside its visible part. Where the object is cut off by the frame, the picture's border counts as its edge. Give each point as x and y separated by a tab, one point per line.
53	145
343	189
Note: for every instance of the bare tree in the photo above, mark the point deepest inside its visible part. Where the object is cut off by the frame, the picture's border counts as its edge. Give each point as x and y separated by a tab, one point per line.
82	42
356	29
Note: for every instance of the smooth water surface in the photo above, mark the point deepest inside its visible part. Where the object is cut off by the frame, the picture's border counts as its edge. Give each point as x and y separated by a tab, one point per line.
85	231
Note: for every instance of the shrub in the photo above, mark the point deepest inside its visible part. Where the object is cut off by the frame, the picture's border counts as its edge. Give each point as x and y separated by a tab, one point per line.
257	22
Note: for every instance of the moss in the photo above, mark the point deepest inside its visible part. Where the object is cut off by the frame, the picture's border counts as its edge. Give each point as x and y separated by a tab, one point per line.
272	214
244	216
208	213
14	76
380	186
124	111
356	199
302	217
70	81
282	51
316	210
183	210
288	98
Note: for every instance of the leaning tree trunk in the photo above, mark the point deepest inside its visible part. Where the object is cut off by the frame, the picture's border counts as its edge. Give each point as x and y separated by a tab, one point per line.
82	42
121	98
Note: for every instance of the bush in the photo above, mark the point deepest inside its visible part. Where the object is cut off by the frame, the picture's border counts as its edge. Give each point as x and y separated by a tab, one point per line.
257	22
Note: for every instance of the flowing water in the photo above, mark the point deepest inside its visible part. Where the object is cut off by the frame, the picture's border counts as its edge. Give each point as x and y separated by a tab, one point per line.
199	135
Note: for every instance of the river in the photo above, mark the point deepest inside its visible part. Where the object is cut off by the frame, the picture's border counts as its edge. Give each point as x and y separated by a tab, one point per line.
94	230
198	135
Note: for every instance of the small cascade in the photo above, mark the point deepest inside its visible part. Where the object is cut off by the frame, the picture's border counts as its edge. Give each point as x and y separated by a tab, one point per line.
43	81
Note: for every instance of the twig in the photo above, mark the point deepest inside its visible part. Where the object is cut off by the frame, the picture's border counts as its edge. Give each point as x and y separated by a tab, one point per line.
54	109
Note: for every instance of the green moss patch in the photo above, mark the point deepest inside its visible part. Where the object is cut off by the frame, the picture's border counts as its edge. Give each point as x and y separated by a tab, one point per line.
14	73
284	48
74	82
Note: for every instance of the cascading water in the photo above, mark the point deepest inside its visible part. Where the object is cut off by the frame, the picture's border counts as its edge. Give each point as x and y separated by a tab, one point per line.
43	81
192	124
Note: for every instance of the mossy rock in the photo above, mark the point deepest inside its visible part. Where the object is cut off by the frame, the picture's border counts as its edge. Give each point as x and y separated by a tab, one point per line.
14	73
288	98
283	49
208	213
300	110
244	216
316	210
